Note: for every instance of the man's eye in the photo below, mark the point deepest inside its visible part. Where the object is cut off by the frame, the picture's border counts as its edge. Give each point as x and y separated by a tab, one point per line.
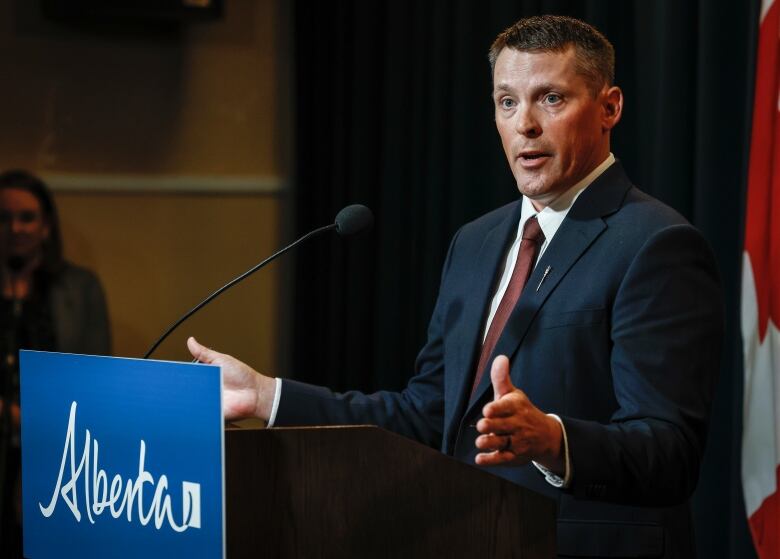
552	98
507	103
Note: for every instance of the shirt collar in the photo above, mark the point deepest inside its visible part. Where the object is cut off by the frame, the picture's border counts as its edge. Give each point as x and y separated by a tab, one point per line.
551	217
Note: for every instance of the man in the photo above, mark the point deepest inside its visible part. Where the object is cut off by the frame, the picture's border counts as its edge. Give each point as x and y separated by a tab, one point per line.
585	299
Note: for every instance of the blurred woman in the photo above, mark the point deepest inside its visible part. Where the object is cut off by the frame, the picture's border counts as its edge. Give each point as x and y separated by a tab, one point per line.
46	304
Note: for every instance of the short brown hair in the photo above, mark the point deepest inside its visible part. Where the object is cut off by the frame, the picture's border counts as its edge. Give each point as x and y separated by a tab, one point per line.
595	54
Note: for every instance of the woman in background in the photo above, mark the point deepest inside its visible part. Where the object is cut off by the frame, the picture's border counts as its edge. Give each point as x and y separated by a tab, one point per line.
46	304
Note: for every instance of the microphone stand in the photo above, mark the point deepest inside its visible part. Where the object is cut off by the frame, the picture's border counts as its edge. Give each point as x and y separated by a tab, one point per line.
233	282
349	221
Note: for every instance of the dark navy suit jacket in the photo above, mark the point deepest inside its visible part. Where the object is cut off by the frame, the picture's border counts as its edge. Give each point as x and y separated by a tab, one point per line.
621	340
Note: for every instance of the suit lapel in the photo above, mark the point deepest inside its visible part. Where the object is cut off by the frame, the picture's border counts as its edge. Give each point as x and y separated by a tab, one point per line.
579	230
483	274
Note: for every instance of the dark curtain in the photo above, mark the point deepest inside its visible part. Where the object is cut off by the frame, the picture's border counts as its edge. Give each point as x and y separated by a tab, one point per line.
392	108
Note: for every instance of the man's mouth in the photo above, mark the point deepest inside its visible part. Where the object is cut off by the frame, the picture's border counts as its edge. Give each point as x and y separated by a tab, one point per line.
533	159
531	155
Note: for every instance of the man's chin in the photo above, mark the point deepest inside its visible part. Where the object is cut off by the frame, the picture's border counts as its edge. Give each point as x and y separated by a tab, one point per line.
540	197
533	189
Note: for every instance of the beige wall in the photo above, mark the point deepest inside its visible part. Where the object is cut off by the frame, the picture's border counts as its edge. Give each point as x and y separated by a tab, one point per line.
160	255
127	123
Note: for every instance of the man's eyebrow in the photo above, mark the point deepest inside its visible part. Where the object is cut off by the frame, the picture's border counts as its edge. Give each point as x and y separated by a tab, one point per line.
536	88
545	86
501	87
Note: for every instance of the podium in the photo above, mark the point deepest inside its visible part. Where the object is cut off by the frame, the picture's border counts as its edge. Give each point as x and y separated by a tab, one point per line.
360	491
127	458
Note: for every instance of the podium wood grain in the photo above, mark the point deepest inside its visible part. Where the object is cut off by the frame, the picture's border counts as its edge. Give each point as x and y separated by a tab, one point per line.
360	491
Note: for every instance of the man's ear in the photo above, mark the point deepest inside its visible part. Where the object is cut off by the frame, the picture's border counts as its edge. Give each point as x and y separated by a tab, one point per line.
612	103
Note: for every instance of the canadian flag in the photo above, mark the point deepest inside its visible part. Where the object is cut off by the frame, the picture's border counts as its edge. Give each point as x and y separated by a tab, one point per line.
761	299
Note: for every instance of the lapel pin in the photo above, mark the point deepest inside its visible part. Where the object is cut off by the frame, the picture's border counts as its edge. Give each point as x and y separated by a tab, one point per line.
544	276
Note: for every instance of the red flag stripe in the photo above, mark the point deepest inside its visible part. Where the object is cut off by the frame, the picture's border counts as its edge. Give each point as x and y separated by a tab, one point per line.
762	247
764	526
762	229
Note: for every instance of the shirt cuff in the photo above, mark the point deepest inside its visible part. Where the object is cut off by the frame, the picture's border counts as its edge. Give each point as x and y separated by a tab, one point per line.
275	405
552	478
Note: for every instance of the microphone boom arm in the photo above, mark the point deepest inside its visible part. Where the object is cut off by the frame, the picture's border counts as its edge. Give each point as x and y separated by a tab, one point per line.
233	282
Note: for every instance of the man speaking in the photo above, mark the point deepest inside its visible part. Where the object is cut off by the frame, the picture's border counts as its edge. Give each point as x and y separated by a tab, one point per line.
575	340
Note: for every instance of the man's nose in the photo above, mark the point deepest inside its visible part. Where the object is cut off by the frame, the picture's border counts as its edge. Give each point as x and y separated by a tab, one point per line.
526	122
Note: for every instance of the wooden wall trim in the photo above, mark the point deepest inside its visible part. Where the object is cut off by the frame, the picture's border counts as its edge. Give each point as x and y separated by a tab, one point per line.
221	184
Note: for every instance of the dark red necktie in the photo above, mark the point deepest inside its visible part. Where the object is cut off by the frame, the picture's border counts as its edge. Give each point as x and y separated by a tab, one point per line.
526	258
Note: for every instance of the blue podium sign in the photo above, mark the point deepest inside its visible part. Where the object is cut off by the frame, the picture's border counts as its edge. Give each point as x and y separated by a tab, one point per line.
121	457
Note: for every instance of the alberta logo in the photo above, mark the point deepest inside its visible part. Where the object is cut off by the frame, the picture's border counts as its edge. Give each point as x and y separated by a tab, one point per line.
120	496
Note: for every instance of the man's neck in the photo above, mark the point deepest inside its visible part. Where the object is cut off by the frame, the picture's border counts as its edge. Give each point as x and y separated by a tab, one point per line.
564	200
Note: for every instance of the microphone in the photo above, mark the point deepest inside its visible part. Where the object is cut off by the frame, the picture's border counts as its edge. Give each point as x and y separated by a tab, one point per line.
349	220
353	219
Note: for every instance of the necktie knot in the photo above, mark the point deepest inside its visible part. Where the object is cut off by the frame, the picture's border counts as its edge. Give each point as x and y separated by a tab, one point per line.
532	231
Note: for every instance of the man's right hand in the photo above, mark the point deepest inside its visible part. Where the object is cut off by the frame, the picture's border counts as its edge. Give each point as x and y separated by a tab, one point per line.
245	392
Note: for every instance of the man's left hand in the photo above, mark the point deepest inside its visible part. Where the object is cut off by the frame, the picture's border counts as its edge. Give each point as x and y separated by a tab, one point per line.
513	430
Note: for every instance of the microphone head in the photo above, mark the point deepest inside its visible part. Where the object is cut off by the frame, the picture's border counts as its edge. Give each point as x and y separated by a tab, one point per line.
353	219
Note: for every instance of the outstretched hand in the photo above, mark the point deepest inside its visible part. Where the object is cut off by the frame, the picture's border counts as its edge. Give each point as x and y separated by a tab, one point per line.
245	392
513	430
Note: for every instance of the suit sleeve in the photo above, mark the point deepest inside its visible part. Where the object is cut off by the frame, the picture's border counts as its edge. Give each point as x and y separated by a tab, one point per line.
416	412
666	335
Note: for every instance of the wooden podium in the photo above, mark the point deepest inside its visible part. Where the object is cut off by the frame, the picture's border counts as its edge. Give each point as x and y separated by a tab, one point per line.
361	491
